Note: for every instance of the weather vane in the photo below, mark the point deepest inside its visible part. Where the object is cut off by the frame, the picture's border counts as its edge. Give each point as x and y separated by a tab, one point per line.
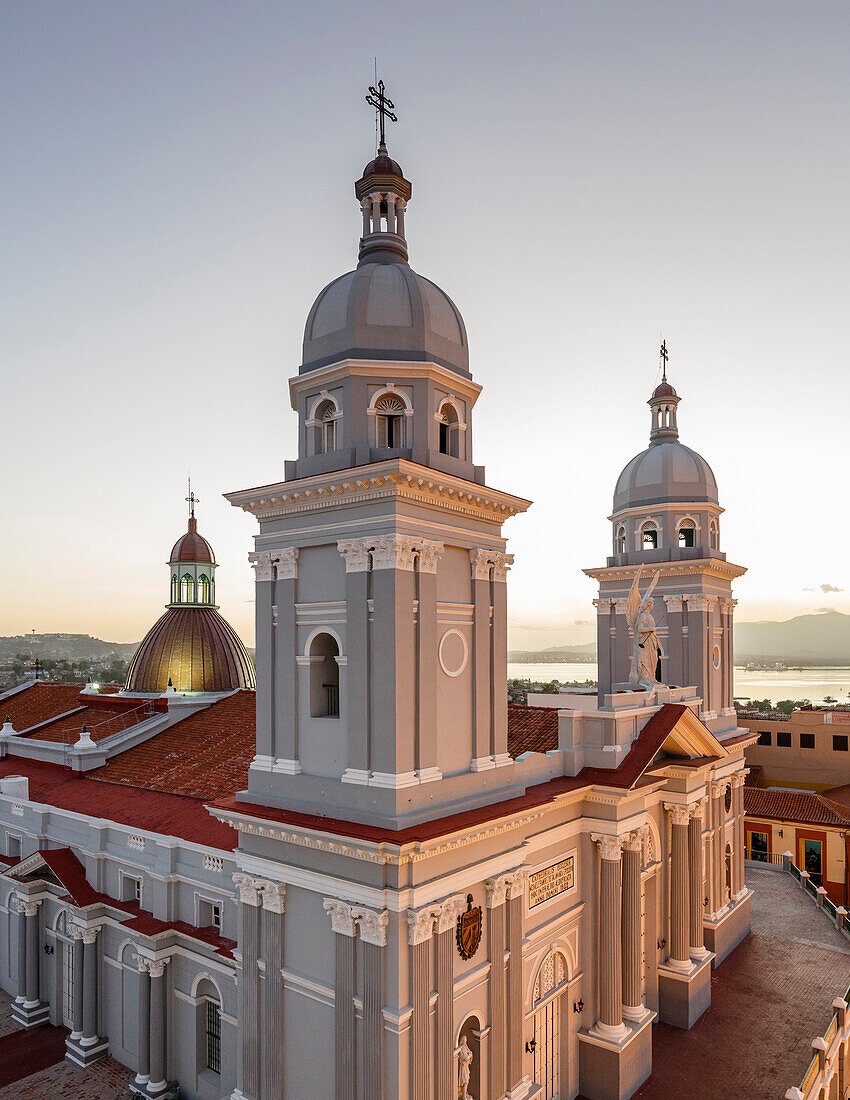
664	359
382	104
192	500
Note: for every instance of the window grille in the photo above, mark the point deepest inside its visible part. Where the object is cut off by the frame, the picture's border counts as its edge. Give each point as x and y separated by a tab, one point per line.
214	1036
332	696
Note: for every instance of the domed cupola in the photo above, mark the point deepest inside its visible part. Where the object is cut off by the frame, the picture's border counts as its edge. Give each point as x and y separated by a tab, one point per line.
191	647
383	309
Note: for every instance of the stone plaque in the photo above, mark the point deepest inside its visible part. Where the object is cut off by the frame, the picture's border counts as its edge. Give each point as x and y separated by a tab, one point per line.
551	881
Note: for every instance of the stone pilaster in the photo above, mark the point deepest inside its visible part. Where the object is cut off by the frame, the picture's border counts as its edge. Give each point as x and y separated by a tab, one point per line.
429	554
610	967
420	930
250	896
263	565
285	701
272	1030
345	1036
482	756
17	906
633	1006
499	660
30	911
738	881
718	847
144	1060
358	563
446	1080
497	891
679	887
516	884
76	934
372	927
696	939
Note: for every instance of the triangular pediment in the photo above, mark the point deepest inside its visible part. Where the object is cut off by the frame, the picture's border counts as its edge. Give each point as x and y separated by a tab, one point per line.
692	739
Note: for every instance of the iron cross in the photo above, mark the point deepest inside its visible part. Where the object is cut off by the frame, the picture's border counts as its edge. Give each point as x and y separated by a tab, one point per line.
664	357
382	104
192	500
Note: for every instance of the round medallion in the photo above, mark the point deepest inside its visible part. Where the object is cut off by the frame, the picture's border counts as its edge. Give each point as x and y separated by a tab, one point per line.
715	657
453	652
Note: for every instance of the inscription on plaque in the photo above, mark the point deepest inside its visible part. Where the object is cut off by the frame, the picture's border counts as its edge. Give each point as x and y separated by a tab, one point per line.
551	881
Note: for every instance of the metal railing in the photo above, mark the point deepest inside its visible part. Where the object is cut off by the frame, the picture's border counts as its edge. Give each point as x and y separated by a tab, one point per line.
115	724
756	856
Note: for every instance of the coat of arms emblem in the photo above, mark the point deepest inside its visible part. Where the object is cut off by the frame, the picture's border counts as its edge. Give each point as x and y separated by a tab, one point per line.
468	933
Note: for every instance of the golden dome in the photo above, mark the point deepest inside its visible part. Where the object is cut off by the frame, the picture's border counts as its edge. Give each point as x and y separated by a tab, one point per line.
196	649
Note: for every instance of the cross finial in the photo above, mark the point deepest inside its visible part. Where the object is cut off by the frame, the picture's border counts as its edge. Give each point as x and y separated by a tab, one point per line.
382	104
192	500
664	354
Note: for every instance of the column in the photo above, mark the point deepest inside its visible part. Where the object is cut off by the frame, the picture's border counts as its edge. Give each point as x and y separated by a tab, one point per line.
393	666
496	944
157	1083
633	1006
89	1038
77	994
272	1029
718	847
696	940
345	1028
285	650
372	927
250	896
390	212
264	657
738	880
482	756
516	1016
680	958
30	911
366	207
675	649
144	1071
357	565
375	198
446	1083
499	660
401	206
426	646
420	931
610	969
20	907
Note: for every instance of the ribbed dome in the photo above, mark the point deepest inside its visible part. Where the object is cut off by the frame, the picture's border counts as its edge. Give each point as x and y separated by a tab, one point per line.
192	546
385	311
383	165
665	471
196	649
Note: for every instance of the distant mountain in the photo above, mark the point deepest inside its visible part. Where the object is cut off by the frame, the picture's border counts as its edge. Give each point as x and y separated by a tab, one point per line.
823	637
69	647
554	654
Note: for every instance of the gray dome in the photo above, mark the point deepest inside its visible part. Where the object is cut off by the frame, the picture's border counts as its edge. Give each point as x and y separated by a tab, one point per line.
667	471
385	311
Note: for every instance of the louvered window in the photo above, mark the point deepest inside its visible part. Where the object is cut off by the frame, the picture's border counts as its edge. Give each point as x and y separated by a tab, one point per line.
390	421
214	1036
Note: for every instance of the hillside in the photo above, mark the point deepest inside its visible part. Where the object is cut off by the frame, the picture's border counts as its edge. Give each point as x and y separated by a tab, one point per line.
70	647
823	637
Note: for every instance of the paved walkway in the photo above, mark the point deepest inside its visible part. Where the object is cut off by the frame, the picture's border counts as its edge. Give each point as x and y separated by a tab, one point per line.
769	999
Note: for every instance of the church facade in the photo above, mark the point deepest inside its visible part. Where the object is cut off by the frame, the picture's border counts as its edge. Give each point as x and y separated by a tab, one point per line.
402	889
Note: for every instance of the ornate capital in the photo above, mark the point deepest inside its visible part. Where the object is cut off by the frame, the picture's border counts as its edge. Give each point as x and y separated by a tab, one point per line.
287	563
738	779
28	908
372	925
262	565
157	967
679	815
74	931
620	606
450	910
90	935
480	562
718	787
420	923
674	603
394	552
701	603
375	196
250	889
633	842
497	891
273	896
501	565
429	554
695	810
517	882
356	554
342	921
143	964
610	847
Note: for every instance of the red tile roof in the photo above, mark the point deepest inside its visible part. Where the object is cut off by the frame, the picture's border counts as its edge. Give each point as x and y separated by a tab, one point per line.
802	806
152	811
531	729
39	702
839	796
206	755
60	711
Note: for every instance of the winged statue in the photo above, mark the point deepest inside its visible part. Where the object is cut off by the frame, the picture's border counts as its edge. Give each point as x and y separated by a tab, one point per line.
644	667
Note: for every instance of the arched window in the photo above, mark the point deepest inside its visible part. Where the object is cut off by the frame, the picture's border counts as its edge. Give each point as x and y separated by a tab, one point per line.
687	533
449	425
209	1025
390	421
712	535
620	541
649	536
187	588
326	415
324	677
204	589
175	588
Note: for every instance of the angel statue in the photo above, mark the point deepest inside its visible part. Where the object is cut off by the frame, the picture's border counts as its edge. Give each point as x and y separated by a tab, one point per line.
646	652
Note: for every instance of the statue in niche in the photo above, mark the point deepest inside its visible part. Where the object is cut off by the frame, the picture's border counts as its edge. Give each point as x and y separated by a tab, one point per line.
464	1069
645	667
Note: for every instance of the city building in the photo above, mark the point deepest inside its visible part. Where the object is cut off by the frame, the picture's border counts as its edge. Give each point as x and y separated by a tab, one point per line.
385	882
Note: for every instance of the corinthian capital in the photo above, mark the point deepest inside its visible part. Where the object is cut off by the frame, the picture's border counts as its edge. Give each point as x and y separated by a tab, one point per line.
679	815
420	923
372	925
90	935
342	921
28	908
273	896
394	552
610	847
157	967
261	562
718	787
501	565
356	554
429	554
250	889
287	563
633	842
479	560
450	910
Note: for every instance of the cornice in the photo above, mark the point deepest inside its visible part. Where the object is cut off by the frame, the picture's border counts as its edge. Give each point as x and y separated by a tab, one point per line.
349	368
395	478
667	506
701	567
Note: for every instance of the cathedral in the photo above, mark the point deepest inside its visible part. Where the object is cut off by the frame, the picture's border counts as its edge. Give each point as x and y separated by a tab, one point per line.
358	872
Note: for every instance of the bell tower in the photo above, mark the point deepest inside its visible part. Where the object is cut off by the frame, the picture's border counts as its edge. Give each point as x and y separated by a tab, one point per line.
380	561
666	521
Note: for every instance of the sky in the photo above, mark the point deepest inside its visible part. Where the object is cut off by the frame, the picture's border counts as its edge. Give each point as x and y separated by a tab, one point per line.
178	187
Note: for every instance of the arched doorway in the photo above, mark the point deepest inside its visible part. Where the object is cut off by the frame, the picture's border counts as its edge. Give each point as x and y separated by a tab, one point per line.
551	983
66	947
471	1031
728	872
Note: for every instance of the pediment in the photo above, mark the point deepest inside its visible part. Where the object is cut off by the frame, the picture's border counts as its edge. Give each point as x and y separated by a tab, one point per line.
691	739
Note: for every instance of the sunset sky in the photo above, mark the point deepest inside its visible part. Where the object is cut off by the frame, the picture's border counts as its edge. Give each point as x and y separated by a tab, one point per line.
178	187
